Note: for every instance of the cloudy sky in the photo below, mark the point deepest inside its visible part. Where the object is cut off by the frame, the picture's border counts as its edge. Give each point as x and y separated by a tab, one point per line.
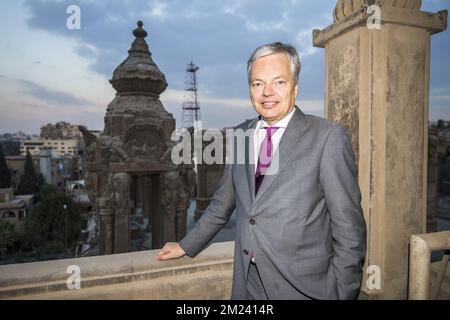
49	73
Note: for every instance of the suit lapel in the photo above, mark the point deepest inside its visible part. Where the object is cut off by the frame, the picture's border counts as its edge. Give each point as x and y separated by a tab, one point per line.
249	162
285	151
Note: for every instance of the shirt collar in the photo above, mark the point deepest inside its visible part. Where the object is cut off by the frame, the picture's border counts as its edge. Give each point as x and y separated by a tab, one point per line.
281	124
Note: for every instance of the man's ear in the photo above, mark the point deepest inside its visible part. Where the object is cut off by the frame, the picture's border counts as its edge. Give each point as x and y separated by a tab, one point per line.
296	90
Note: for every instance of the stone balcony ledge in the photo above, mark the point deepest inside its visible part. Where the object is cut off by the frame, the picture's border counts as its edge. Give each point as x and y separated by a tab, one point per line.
135	275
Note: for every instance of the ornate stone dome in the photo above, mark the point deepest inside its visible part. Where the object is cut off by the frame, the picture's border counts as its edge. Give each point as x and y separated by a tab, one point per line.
345	8
138	74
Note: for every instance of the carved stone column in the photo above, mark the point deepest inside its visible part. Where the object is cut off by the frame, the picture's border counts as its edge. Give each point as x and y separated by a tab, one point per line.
170	197
106	219
122	209
377	86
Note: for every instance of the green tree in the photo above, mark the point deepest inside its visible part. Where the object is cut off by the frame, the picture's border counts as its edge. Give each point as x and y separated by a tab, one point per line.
29	182
6	230
40	181
11	147
5	173
55	221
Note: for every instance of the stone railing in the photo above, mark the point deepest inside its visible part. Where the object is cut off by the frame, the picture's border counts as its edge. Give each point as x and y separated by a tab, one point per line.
421	247
136	275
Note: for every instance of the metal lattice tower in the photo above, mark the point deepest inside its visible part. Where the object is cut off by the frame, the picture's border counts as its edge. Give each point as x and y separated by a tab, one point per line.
190	116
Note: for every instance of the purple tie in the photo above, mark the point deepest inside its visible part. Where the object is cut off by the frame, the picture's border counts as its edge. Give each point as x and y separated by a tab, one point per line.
265	157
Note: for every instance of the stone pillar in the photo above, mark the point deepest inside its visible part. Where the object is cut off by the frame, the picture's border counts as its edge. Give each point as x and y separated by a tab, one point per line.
181	222
122	210
377	86
171	185
106	234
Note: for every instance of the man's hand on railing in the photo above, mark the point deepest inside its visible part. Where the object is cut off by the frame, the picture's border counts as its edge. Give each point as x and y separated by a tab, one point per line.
171	250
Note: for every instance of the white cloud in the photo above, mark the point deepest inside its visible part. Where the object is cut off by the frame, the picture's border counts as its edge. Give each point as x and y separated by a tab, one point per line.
439	91
256	25
232	9
441	97
60	67
171	96
22	111
315	107
305	43
158	10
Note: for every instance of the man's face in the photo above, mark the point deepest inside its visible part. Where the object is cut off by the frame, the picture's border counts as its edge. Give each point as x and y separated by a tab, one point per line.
272	87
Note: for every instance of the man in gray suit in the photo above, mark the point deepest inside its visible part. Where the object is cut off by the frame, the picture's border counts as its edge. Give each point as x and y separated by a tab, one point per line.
300	229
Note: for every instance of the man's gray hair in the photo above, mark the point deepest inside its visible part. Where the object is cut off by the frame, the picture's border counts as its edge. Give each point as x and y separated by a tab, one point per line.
273	48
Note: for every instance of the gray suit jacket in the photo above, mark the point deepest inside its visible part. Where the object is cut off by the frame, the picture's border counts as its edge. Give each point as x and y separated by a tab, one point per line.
306	220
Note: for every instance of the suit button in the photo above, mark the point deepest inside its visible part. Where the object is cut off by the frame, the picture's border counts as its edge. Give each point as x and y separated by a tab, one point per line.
246	252
252	221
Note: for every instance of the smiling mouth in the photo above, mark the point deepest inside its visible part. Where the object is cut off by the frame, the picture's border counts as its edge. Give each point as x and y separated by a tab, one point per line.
269	104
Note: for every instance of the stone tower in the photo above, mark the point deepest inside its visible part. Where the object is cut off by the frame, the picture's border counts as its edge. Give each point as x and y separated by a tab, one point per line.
130	176
138	82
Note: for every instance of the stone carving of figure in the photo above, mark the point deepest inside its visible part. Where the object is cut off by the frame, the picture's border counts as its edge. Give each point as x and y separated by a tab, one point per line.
91	152
111	149
144	149
188	179
172	187
145	143
90	141
121	183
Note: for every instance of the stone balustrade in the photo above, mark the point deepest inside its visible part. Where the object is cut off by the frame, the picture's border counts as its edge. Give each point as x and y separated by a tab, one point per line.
420	268
135	275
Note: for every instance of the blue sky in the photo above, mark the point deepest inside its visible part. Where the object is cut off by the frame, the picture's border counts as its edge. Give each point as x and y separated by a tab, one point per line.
49	73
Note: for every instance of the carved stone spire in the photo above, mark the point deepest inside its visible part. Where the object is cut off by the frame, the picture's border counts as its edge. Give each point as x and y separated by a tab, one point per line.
345	8
138	73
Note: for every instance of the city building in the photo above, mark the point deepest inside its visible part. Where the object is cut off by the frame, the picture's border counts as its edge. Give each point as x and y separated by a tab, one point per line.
60	130
64	147
14	209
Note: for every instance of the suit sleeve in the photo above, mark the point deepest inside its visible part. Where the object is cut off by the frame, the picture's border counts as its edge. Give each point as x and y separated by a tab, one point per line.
338	177
214	218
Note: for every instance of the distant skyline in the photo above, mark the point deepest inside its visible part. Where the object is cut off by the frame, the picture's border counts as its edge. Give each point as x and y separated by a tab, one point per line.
49	73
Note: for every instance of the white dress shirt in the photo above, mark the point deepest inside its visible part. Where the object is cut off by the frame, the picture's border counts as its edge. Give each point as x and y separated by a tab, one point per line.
260	134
